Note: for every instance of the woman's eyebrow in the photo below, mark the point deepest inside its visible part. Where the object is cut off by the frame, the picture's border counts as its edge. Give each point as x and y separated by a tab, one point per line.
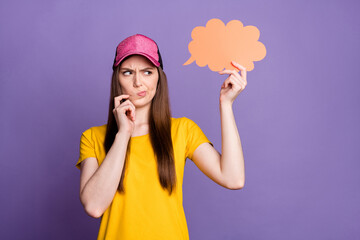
151	68
124	68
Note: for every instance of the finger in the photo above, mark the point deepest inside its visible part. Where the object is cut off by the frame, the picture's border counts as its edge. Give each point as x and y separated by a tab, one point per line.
231	72
117	99
227	82
235	84
235	74
123	105
235	64
238	83
242	69
131	103
122	96
225	71
124	102
127	102
239	80
128	110
132	113
224	85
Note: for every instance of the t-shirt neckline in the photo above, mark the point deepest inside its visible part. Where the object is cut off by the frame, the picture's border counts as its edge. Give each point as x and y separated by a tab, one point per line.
141	136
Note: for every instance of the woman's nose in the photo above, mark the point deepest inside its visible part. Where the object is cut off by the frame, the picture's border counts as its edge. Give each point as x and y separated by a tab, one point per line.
137	80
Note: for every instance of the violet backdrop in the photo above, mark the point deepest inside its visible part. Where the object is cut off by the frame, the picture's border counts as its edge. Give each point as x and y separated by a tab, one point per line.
298	117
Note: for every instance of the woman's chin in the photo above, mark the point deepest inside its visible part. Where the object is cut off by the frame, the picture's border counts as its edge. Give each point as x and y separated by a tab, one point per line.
140	103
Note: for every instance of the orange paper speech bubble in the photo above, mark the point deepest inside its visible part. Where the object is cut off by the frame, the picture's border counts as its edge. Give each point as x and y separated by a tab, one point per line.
216	45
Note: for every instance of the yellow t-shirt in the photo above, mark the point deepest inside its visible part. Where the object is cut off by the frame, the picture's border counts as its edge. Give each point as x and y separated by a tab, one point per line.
145	210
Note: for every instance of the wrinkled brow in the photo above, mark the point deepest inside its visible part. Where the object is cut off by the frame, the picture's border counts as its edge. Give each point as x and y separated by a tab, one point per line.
150	68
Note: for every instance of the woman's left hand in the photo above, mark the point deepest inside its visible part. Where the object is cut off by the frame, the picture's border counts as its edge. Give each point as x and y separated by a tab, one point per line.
233	85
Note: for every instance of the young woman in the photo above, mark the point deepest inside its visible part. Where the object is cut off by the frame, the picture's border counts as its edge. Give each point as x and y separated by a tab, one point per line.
132	167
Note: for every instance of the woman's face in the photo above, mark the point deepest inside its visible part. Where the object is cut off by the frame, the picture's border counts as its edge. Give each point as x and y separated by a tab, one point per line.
138	77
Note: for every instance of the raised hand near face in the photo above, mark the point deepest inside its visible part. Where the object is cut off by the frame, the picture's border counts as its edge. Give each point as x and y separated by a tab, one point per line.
124	113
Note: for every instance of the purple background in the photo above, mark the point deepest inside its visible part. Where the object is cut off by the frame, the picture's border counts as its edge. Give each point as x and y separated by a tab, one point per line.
298	117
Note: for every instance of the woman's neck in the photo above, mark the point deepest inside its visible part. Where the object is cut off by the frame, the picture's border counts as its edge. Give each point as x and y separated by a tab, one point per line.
141	121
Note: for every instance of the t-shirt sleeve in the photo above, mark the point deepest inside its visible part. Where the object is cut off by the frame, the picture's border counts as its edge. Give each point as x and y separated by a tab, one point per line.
195	137
87	147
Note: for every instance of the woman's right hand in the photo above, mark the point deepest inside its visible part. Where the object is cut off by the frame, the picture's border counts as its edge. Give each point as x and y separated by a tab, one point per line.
124	113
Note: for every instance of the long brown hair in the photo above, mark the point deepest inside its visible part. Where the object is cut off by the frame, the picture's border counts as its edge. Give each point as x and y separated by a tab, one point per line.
159	130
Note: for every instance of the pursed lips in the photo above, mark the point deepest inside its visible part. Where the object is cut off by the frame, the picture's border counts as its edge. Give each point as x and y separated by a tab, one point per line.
143	93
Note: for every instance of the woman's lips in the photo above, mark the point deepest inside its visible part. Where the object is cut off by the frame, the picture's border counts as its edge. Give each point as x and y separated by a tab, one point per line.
141	94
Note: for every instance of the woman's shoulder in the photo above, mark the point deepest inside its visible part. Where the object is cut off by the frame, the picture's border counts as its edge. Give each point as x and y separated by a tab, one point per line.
98	131
182	122
184	127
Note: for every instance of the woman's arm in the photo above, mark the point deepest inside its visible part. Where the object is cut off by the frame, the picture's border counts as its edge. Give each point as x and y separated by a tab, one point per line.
98	191
232	158
99	183
226	169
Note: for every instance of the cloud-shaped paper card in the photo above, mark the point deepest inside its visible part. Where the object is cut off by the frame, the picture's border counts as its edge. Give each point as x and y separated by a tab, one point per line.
216	45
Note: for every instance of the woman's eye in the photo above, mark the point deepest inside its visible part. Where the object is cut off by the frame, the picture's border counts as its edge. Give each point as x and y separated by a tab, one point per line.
126	73
148	72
